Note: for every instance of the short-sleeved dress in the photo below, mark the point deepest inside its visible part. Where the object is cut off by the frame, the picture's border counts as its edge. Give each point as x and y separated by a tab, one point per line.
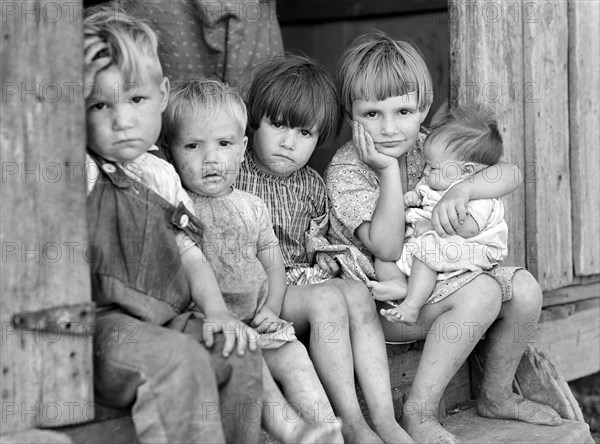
353	191
235	227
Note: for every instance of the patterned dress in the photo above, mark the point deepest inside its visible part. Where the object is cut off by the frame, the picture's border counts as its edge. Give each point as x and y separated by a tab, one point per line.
353	191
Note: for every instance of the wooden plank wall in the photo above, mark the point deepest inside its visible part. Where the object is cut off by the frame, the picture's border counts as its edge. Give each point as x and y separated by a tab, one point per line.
44	228
584	127
523	48
548	209
485	66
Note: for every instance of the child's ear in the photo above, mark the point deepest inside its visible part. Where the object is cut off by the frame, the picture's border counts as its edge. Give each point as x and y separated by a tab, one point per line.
165	88
469	168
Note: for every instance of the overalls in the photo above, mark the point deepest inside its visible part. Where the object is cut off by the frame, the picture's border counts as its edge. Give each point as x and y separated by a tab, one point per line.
147	349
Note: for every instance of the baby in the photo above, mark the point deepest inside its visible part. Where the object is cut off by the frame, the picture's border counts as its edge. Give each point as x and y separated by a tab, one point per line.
463	142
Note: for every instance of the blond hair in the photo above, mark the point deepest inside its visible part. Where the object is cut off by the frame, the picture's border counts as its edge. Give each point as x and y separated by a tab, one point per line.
376	67
132	44
191	96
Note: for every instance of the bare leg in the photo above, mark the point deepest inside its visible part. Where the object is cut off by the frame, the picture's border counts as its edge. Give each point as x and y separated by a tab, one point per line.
452	328
392	284
280	419
370	360
321	309
506	341
420	285
291	366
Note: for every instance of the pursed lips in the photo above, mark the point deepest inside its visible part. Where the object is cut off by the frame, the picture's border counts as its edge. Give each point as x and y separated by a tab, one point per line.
283	156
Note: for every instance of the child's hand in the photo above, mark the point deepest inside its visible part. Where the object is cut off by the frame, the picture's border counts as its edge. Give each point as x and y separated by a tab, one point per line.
234	331
93	47
412	199
327	263
266	321
450	212
421	226
367	152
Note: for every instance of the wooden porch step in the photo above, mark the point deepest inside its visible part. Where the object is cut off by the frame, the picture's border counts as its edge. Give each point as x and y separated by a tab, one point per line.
471	428
466	425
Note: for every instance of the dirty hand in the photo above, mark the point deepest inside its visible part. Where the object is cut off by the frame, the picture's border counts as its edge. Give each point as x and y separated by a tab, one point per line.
234	331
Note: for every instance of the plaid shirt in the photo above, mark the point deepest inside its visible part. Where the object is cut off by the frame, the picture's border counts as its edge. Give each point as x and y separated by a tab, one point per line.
293	202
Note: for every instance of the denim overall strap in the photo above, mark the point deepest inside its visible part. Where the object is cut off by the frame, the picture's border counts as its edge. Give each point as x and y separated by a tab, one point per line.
136	267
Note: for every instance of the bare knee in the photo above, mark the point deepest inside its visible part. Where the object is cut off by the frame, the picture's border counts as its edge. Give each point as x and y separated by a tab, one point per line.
360	302
328	305
485	302
527	295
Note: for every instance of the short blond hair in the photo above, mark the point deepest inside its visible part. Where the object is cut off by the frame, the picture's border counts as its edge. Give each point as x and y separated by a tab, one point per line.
132	44
191	96
376	67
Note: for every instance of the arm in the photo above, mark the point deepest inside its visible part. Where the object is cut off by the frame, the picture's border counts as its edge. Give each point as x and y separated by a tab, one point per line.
496	181
383	235
267	319
206	294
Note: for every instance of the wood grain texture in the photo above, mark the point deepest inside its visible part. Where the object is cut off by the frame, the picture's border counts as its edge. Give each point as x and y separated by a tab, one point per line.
486	66
46	378
548	205
584	128
572	342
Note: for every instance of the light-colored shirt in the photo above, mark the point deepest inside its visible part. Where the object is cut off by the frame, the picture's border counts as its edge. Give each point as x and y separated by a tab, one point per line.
235	228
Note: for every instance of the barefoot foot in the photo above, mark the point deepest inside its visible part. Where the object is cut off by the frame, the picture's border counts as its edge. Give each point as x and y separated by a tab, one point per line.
402	313
359	432
516	407
315	433
427	430
388	290
393	433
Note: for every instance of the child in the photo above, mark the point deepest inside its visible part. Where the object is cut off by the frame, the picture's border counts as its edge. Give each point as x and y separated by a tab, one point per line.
203	136
367	219
464	142
172	366
293	107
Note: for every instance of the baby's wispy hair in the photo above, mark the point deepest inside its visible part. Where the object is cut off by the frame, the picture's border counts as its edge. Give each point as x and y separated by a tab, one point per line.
470	133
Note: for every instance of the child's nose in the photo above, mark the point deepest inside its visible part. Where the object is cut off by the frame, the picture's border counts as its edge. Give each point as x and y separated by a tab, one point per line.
122	119
389	126
288	140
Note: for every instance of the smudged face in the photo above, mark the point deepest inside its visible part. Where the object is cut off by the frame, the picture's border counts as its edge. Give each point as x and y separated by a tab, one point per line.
208	152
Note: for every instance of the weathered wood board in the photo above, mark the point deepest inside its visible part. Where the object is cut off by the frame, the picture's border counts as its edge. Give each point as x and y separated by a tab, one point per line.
486	54
572	342
584	128
548	205
46	376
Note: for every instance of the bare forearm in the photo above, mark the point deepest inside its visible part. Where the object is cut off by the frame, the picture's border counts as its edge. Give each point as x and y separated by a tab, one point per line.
384	234
203	284
493	182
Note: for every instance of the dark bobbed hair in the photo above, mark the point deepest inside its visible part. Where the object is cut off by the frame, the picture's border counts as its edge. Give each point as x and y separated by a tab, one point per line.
296	91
